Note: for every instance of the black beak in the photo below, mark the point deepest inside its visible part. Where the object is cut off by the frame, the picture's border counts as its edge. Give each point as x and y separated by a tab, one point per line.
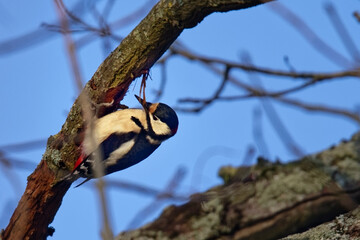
142	102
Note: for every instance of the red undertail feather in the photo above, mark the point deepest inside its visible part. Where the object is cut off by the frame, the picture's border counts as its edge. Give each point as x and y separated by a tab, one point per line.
79	161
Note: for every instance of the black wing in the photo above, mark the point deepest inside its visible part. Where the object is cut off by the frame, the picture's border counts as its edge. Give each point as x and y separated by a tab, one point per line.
110	144
113	142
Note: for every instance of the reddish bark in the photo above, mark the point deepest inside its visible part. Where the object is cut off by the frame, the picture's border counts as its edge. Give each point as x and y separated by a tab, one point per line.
37	207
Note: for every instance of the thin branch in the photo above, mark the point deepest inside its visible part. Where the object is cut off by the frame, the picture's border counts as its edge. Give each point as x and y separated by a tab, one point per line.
321	108
217	92
118	24
357	16
342	31
24	146
61	9
310	36
16	163
273	116
257	132
145	190
254	92
88	116
108	7
311	107
5	165
204	157
245	67
34	37
249	155
163	80
171	187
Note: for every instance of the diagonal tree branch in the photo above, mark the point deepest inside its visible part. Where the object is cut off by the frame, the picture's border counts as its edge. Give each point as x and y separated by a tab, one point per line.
136	53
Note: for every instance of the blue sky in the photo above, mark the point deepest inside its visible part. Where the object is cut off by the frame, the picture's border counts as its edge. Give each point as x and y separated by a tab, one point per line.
38	90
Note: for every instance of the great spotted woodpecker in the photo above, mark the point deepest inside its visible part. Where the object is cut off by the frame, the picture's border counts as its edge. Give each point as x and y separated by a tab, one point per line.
125	138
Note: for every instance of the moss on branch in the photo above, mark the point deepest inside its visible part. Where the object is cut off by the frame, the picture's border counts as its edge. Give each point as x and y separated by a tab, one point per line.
266	201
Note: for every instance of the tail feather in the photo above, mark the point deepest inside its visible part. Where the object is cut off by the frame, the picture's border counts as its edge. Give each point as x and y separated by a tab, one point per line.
82	182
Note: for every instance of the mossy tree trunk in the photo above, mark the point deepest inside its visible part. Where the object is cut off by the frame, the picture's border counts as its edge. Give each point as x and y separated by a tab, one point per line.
270	201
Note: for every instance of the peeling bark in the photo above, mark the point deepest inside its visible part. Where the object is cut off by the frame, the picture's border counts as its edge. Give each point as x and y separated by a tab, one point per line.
268	200
136	53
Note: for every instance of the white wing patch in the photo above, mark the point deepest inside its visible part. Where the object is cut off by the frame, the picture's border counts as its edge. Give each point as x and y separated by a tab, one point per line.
152	141
120	152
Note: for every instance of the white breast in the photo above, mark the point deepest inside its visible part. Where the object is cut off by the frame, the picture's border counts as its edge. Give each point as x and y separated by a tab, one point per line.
116	122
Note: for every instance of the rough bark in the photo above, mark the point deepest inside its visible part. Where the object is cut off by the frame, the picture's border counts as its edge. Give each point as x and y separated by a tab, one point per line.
343	227
136	53
268	200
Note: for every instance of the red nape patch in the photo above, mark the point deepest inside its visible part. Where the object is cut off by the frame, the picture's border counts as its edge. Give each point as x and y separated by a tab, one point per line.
173	131
79	161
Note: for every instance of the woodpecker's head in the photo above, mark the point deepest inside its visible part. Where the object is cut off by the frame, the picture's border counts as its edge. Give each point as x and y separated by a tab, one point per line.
162	112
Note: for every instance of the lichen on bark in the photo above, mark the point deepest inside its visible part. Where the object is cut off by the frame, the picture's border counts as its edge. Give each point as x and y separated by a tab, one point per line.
266	201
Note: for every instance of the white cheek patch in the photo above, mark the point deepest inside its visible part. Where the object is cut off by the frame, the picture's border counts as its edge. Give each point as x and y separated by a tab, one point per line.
120	152
159	127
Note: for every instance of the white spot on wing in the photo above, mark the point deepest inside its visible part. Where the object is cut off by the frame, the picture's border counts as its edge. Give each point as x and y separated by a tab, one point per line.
152	141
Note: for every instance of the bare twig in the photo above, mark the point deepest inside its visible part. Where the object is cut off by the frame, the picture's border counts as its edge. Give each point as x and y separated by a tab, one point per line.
104	28
249	155
24	146
171	187
309	35
16	163
201	161
357	16
108	7
163	80
216	94
118	24
5	164
321	108
145	190
296	75
35	36
255	92
132	17
273	116
342	31
86	107
258	133
311	107
284	134
62	11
